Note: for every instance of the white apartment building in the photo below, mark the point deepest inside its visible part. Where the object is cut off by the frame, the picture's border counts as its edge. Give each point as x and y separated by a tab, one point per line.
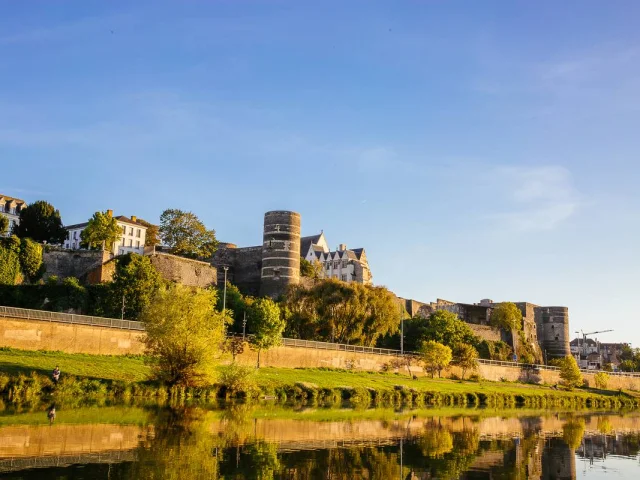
131	240
11	207
347	265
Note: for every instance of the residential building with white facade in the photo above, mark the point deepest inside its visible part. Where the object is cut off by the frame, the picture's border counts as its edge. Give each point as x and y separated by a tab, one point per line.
347	265
131	240
11	207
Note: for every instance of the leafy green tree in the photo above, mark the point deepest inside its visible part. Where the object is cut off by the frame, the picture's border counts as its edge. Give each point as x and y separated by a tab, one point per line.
41	222
310	269
10	260
136	281
446	328
435	357
267	325
152	236
186	235
570	372
102	230
506	316
602	380
234	346
466	357
627	366
236	305
342	312
184	334
4	224
31	258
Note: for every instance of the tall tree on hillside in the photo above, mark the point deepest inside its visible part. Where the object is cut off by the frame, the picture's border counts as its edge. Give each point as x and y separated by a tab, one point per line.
341	312
446	328
135	283
102	230
435	357
41	222
152	236
4	224
506	316
186	235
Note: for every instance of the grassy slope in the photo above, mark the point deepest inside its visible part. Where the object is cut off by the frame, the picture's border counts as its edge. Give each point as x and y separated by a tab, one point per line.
134	369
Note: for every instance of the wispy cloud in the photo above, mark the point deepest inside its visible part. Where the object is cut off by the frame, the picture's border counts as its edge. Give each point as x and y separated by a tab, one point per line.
534	198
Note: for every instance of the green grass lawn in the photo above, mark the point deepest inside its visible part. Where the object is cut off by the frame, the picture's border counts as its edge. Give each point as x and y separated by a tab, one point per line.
133	368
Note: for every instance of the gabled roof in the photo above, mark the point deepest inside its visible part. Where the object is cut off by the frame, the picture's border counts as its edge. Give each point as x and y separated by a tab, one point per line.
76	225
306	242
6	198
123	219
358	252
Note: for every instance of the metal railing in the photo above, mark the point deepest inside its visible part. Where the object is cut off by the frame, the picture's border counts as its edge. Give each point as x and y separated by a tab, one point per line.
45	316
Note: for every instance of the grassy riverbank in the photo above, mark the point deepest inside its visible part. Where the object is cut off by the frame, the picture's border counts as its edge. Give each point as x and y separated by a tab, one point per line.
122	376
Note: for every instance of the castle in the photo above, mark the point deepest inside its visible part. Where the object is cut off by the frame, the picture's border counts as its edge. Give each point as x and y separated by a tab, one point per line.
269	269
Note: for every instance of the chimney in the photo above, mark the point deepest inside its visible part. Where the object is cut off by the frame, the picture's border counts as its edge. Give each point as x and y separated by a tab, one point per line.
109	213
342	247
134	219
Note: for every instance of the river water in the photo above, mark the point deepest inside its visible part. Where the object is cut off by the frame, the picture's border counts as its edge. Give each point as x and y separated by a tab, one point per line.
270	442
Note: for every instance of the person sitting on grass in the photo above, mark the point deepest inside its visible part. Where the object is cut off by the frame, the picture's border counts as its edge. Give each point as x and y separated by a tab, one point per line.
55	375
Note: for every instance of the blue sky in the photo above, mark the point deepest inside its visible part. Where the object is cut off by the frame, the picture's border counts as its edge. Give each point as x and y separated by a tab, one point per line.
475	149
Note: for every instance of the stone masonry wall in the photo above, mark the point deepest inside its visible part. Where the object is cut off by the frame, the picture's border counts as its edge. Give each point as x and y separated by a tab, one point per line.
40	335
74	263
70	338
186	271
247	269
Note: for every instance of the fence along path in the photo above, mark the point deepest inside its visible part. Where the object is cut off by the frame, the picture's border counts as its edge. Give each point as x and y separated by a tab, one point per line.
45	316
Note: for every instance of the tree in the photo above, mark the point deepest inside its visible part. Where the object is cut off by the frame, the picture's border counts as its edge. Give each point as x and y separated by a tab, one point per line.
602	380
627	366
41	222
342	312
570	372
31	258
446	328
184	334
186	235
151	237
4	224
266	324
466	357
435	357
234	346
506	316
136	281
310	269
236	305
102	229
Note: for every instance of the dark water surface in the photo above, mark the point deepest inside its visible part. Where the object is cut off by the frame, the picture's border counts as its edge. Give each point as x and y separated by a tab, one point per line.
268	442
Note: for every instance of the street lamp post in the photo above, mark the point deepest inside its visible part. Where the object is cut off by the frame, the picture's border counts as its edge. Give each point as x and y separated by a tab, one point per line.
224	295
244	325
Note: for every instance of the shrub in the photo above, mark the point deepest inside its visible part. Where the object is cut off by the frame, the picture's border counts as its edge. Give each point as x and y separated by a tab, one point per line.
602	380
31	258
237	379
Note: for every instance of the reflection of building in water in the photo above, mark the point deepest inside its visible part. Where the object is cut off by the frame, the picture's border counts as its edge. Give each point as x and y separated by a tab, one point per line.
597	447
558	460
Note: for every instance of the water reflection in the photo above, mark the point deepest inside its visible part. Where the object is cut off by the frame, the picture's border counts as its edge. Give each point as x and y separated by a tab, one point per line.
244	442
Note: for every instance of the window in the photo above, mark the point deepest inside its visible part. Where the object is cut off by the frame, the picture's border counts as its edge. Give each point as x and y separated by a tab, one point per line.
336	264
138	233
131	231
344	264
344	278
124	242
130	243
138	244
124	229
75	235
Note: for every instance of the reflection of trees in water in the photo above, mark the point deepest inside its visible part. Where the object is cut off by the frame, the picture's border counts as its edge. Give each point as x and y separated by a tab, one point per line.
573	431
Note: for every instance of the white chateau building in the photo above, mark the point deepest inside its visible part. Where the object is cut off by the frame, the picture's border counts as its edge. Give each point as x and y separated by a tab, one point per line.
348	265
11	207
131	240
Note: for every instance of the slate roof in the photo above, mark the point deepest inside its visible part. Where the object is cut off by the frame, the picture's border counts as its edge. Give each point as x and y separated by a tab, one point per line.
306	242
120	218
6	198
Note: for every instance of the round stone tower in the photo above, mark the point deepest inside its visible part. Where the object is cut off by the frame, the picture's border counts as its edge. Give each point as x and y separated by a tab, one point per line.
553	331
280	252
